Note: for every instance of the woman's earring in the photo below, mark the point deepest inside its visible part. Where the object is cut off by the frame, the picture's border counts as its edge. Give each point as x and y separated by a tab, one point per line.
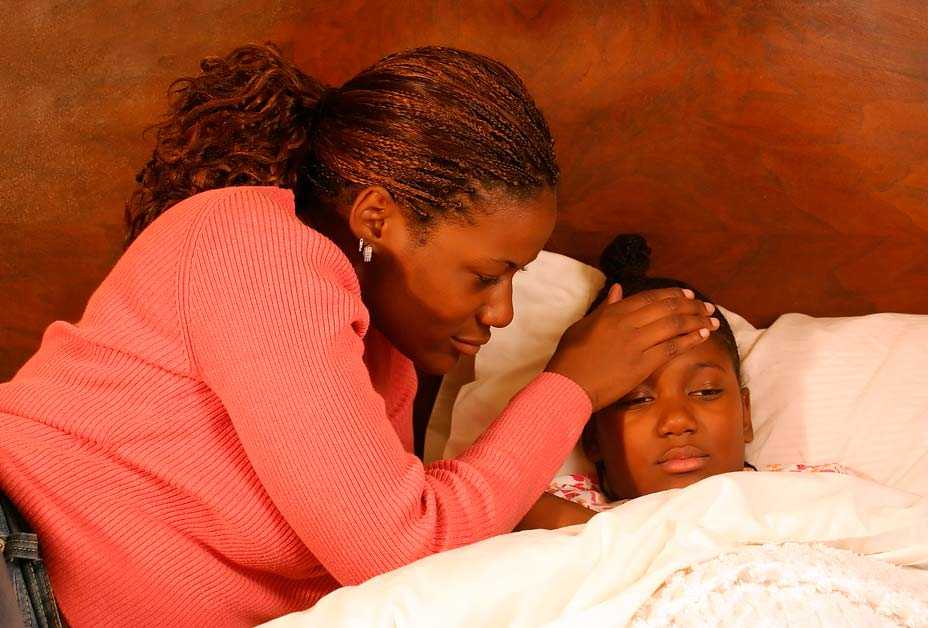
366	251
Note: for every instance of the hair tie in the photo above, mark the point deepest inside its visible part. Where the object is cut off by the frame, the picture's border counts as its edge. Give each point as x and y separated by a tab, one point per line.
318	109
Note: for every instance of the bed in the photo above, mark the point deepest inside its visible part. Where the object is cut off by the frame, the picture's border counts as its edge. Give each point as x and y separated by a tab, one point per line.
778	150
736	549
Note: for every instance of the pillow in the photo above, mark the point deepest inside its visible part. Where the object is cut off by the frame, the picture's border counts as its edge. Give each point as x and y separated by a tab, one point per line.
847	390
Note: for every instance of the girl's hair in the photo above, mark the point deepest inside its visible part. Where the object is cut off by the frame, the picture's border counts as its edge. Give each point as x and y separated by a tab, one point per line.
626	261
431	125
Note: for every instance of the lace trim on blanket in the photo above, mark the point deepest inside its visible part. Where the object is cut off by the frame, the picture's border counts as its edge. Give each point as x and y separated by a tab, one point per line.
789	584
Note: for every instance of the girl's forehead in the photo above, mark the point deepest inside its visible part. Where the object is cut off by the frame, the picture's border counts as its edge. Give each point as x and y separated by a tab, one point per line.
711	354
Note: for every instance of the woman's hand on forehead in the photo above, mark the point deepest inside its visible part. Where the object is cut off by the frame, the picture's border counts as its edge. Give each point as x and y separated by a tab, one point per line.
623	341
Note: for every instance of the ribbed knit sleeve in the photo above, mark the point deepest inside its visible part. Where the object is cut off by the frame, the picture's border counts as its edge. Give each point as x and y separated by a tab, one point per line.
275	326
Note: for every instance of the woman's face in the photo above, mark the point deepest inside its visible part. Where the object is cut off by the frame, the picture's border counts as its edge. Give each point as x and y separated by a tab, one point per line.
688	421
437	300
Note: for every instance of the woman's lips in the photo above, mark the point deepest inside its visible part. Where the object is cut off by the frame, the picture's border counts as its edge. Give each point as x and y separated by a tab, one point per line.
467	348
683	459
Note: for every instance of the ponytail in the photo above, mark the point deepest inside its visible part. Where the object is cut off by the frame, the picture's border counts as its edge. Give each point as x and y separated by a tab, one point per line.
244	120
431	125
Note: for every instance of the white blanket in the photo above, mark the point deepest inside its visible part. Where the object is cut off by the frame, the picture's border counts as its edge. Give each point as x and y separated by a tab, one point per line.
605	572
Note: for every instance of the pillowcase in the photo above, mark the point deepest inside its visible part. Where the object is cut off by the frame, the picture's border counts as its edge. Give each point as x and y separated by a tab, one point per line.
849	390
846	390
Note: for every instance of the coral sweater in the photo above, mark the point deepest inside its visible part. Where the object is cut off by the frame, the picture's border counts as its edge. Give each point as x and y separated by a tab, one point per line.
222	439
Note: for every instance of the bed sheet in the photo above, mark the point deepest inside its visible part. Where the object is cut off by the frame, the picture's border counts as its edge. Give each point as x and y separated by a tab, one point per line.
603	573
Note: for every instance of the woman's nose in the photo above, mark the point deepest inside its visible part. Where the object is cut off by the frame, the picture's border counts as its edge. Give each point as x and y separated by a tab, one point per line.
497	311
676	419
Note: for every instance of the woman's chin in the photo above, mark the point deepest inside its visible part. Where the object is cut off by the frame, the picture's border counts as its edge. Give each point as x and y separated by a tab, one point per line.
435	363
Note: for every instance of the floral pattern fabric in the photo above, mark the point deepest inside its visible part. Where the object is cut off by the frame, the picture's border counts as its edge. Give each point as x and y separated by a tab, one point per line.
585	490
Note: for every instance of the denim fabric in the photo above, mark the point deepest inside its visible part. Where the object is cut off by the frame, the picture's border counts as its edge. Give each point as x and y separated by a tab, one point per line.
25	571
10	615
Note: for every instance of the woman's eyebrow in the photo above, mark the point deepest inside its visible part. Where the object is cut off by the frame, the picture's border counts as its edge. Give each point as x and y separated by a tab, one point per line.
507	262
706	365
512	264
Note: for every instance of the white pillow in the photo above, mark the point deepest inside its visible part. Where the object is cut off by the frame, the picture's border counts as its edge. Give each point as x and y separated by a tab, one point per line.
847	390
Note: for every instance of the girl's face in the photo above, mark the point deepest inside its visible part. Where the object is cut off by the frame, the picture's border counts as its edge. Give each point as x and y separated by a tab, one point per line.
688	421
438	299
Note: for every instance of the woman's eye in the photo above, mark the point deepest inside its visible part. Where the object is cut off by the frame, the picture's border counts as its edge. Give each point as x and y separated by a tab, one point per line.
487	280
709	393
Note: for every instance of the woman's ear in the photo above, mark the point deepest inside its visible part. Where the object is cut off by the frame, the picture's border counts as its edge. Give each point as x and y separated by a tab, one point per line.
376	218
746	424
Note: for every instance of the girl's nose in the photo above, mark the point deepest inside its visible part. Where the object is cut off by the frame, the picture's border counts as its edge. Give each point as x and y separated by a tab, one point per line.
676	420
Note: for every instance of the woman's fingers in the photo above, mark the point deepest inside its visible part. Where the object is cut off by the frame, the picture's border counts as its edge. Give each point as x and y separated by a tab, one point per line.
668	327
647	299
660	354
616	347
671	308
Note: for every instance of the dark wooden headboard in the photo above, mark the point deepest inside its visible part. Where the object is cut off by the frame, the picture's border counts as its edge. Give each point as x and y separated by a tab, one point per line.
775	153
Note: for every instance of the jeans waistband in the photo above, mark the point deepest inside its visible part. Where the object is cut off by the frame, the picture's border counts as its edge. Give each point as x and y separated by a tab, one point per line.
25	571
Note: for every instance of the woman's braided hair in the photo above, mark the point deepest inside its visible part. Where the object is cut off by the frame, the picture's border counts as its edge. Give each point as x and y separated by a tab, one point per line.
431	125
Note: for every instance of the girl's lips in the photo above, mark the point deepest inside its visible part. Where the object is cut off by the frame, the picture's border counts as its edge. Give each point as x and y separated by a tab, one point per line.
684	465
683	459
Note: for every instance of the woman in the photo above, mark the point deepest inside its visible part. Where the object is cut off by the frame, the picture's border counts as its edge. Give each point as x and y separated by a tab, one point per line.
225	436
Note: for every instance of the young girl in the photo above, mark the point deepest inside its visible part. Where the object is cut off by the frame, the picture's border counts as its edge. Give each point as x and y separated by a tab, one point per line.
688	420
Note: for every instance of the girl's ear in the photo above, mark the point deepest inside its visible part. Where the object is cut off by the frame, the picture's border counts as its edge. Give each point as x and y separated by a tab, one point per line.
746	424
590	441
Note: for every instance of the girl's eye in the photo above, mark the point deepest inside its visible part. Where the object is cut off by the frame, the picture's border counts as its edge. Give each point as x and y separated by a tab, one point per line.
707	393
635	401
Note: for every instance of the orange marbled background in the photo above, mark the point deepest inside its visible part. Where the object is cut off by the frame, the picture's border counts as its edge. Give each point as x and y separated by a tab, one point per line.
775	153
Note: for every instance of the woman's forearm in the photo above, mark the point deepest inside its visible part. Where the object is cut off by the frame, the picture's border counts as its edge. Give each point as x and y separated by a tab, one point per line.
551	512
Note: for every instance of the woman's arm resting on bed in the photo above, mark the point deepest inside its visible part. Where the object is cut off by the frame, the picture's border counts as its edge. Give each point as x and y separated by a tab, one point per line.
551	512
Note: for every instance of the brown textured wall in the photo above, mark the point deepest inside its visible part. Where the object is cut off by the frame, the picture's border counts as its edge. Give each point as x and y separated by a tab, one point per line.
775	153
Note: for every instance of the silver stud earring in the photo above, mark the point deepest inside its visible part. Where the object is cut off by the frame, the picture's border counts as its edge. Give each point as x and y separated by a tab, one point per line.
366	251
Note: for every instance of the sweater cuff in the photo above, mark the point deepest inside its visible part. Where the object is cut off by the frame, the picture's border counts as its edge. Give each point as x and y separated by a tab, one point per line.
565	390
536	431
560	408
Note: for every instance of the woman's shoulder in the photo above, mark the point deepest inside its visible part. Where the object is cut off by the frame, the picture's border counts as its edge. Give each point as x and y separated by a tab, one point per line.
242	198
243	208
240	210
259	223
236	201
